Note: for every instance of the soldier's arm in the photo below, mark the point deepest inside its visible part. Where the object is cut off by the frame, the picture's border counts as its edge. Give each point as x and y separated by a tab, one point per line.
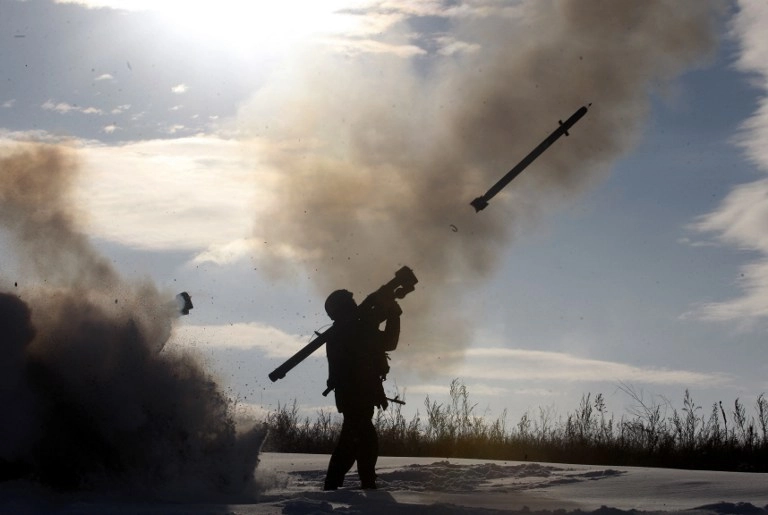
391	333
335	355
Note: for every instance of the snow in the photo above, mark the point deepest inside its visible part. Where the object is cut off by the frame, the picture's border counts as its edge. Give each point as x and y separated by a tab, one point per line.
290	484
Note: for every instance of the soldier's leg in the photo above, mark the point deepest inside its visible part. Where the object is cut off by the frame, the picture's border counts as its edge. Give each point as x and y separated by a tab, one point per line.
343	456
367	452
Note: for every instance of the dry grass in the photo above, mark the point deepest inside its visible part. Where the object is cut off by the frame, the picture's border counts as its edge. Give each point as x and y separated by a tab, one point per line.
650	434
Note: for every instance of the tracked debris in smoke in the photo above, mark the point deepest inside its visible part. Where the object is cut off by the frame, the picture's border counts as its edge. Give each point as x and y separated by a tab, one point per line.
88	398
378	154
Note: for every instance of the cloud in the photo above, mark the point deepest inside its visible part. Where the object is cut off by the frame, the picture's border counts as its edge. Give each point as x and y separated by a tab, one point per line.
59	107
105	76
180	89
191	193
64	108
225	253
376	18
270	340
376	29
496	363
450	46
360	46
741	219
176	129
9	139
109	129
748	26
750	306
537	392
695	243
8	103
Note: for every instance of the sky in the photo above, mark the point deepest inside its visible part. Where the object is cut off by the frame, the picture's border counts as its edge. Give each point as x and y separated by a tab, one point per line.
260	156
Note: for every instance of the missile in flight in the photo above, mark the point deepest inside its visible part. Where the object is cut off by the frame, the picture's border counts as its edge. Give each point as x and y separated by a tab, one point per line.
481	202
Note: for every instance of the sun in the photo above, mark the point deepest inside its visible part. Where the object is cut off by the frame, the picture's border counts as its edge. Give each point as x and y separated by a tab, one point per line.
249	25
244	25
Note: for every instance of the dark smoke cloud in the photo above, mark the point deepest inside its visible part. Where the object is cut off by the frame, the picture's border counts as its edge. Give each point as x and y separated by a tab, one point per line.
87	398
378	156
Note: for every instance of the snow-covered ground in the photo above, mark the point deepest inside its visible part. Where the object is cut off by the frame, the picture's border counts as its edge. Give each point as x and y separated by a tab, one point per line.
290	484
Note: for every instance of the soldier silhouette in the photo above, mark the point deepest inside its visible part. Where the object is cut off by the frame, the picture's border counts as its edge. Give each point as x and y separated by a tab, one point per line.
357	365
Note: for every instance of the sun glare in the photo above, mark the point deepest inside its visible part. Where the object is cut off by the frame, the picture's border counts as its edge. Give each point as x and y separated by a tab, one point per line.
248	25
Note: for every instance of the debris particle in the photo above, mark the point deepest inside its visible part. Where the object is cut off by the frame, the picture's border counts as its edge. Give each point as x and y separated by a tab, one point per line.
185	302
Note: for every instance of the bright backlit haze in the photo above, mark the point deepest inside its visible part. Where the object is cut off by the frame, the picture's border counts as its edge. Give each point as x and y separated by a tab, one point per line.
238	26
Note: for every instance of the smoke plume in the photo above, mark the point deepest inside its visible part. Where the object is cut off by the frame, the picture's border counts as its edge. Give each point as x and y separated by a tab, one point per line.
378	155
88	398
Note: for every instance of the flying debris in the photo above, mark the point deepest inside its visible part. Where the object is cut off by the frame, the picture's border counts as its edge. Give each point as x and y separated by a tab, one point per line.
185	302
481	202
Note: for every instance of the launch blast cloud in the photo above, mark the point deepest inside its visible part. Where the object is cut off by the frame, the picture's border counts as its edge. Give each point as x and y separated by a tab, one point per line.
90	399
378	155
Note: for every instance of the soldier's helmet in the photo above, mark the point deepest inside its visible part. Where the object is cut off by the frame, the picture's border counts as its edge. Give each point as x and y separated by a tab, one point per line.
340	303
